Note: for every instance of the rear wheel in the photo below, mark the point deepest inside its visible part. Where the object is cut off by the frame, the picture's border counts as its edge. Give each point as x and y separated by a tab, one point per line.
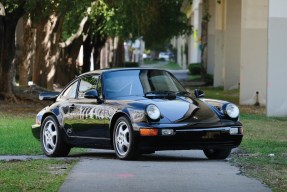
51	139
217	153
124	140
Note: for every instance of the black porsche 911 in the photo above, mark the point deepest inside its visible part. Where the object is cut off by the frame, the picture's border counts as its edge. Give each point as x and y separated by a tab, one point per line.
135	111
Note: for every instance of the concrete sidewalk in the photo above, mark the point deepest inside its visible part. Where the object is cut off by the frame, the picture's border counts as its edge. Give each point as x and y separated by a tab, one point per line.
168	171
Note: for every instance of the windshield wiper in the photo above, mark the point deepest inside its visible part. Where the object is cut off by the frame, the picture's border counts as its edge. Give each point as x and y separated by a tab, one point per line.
168	94
182	93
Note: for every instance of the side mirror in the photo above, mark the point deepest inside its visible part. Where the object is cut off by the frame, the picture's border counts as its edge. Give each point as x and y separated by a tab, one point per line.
199	93
92	94
48	96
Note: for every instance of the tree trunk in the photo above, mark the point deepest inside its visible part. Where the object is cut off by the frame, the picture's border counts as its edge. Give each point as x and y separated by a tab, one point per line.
120	56
87	50
56	31
68	67
28	52
40	53
204	36
8	25
47	50
99	43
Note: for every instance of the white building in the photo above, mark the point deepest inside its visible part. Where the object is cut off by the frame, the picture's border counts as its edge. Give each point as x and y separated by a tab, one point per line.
246	48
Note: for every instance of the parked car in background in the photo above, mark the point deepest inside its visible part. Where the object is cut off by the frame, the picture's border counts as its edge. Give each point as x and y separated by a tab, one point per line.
135	111
164	55
146	56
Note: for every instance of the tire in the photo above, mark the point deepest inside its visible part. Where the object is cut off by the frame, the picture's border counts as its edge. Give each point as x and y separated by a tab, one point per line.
217	153
124	140
51	139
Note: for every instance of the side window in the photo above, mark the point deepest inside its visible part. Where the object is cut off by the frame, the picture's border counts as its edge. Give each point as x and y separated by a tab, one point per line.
87	83
71	91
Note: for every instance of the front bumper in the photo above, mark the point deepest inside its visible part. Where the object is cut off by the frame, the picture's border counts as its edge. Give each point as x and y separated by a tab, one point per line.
36	128
193	138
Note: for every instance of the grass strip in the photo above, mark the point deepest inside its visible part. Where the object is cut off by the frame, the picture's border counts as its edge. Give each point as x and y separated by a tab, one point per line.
16	136
34	175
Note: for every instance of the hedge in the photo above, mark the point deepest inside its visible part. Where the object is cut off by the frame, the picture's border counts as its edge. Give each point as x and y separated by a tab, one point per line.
194	68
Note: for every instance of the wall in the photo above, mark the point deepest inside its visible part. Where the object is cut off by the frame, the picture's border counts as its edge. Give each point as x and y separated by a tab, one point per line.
253	70
232	43
277	64
219	46
211	38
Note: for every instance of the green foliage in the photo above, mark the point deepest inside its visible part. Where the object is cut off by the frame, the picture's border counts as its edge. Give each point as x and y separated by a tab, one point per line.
155	21
77	11
208	79
131	64
101	17
194	68
41	10
11	5
167	21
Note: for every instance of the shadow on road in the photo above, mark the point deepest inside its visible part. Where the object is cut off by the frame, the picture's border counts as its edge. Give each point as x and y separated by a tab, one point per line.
156	157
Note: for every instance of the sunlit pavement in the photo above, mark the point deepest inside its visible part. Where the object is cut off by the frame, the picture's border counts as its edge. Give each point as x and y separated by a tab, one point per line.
167	171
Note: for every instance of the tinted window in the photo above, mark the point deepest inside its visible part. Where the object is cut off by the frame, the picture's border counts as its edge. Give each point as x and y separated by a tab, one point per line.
138	82
70	92
122	83
87	83
157	80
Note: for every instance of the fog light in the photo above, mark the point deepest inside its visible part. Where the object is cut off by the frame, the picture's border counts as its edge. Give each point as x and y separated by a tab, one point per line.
233	131
167	132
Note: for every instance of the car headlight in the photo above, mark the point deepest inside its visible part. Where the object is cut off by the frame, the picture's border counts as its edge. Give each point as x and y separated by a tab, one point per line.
232	110
153	112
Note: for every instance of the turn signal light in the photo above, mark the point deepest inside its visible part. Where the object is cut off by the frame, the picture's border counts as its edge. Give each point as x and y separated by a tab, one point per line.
148	132
241	130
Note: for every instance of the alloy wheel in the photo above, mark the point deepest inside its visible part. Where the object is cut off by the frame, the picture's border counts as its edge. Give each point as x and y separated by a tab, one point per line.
50	136
122	138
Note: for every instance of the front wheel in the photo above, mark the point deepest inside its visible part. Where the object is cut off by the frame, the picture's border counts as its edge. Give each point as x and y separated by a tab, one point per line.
124	140
217	153
51	140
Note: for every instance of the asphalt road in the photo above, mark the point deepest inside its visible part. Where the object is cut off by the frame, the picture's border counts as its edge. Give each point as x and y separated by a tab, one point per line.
168	171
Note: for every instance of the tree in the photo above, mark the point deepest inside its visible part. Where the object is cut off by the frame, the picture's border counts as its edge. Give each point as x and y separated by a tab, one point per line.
60	28
51	57
156	21
13	12
166	21
27	58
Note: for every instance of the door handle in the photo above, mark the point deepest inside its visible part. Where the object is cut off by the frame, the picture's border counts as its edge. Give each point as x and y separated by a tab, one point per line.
72	107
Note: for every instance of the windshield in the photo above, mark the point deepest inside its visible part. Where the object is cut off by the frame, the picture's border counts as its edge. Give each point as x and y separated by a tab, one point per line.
139	82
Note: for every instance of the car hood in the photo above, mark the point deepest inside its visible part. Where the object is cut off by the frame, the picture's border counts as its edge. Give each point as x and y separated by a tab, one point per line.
184	109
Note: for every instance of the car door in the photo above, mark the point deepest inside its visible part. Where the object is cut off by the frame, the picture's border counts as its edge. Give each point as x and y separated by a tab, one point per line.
90	112
67	107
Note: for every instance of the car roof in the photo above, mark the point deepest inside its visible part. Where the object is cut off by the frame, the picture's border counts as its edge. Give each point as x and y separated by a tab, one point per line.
100	71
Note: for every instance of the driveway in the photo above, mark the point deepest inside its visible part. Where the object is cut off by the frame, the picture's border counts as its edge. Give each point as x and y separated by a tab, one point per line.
168	171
